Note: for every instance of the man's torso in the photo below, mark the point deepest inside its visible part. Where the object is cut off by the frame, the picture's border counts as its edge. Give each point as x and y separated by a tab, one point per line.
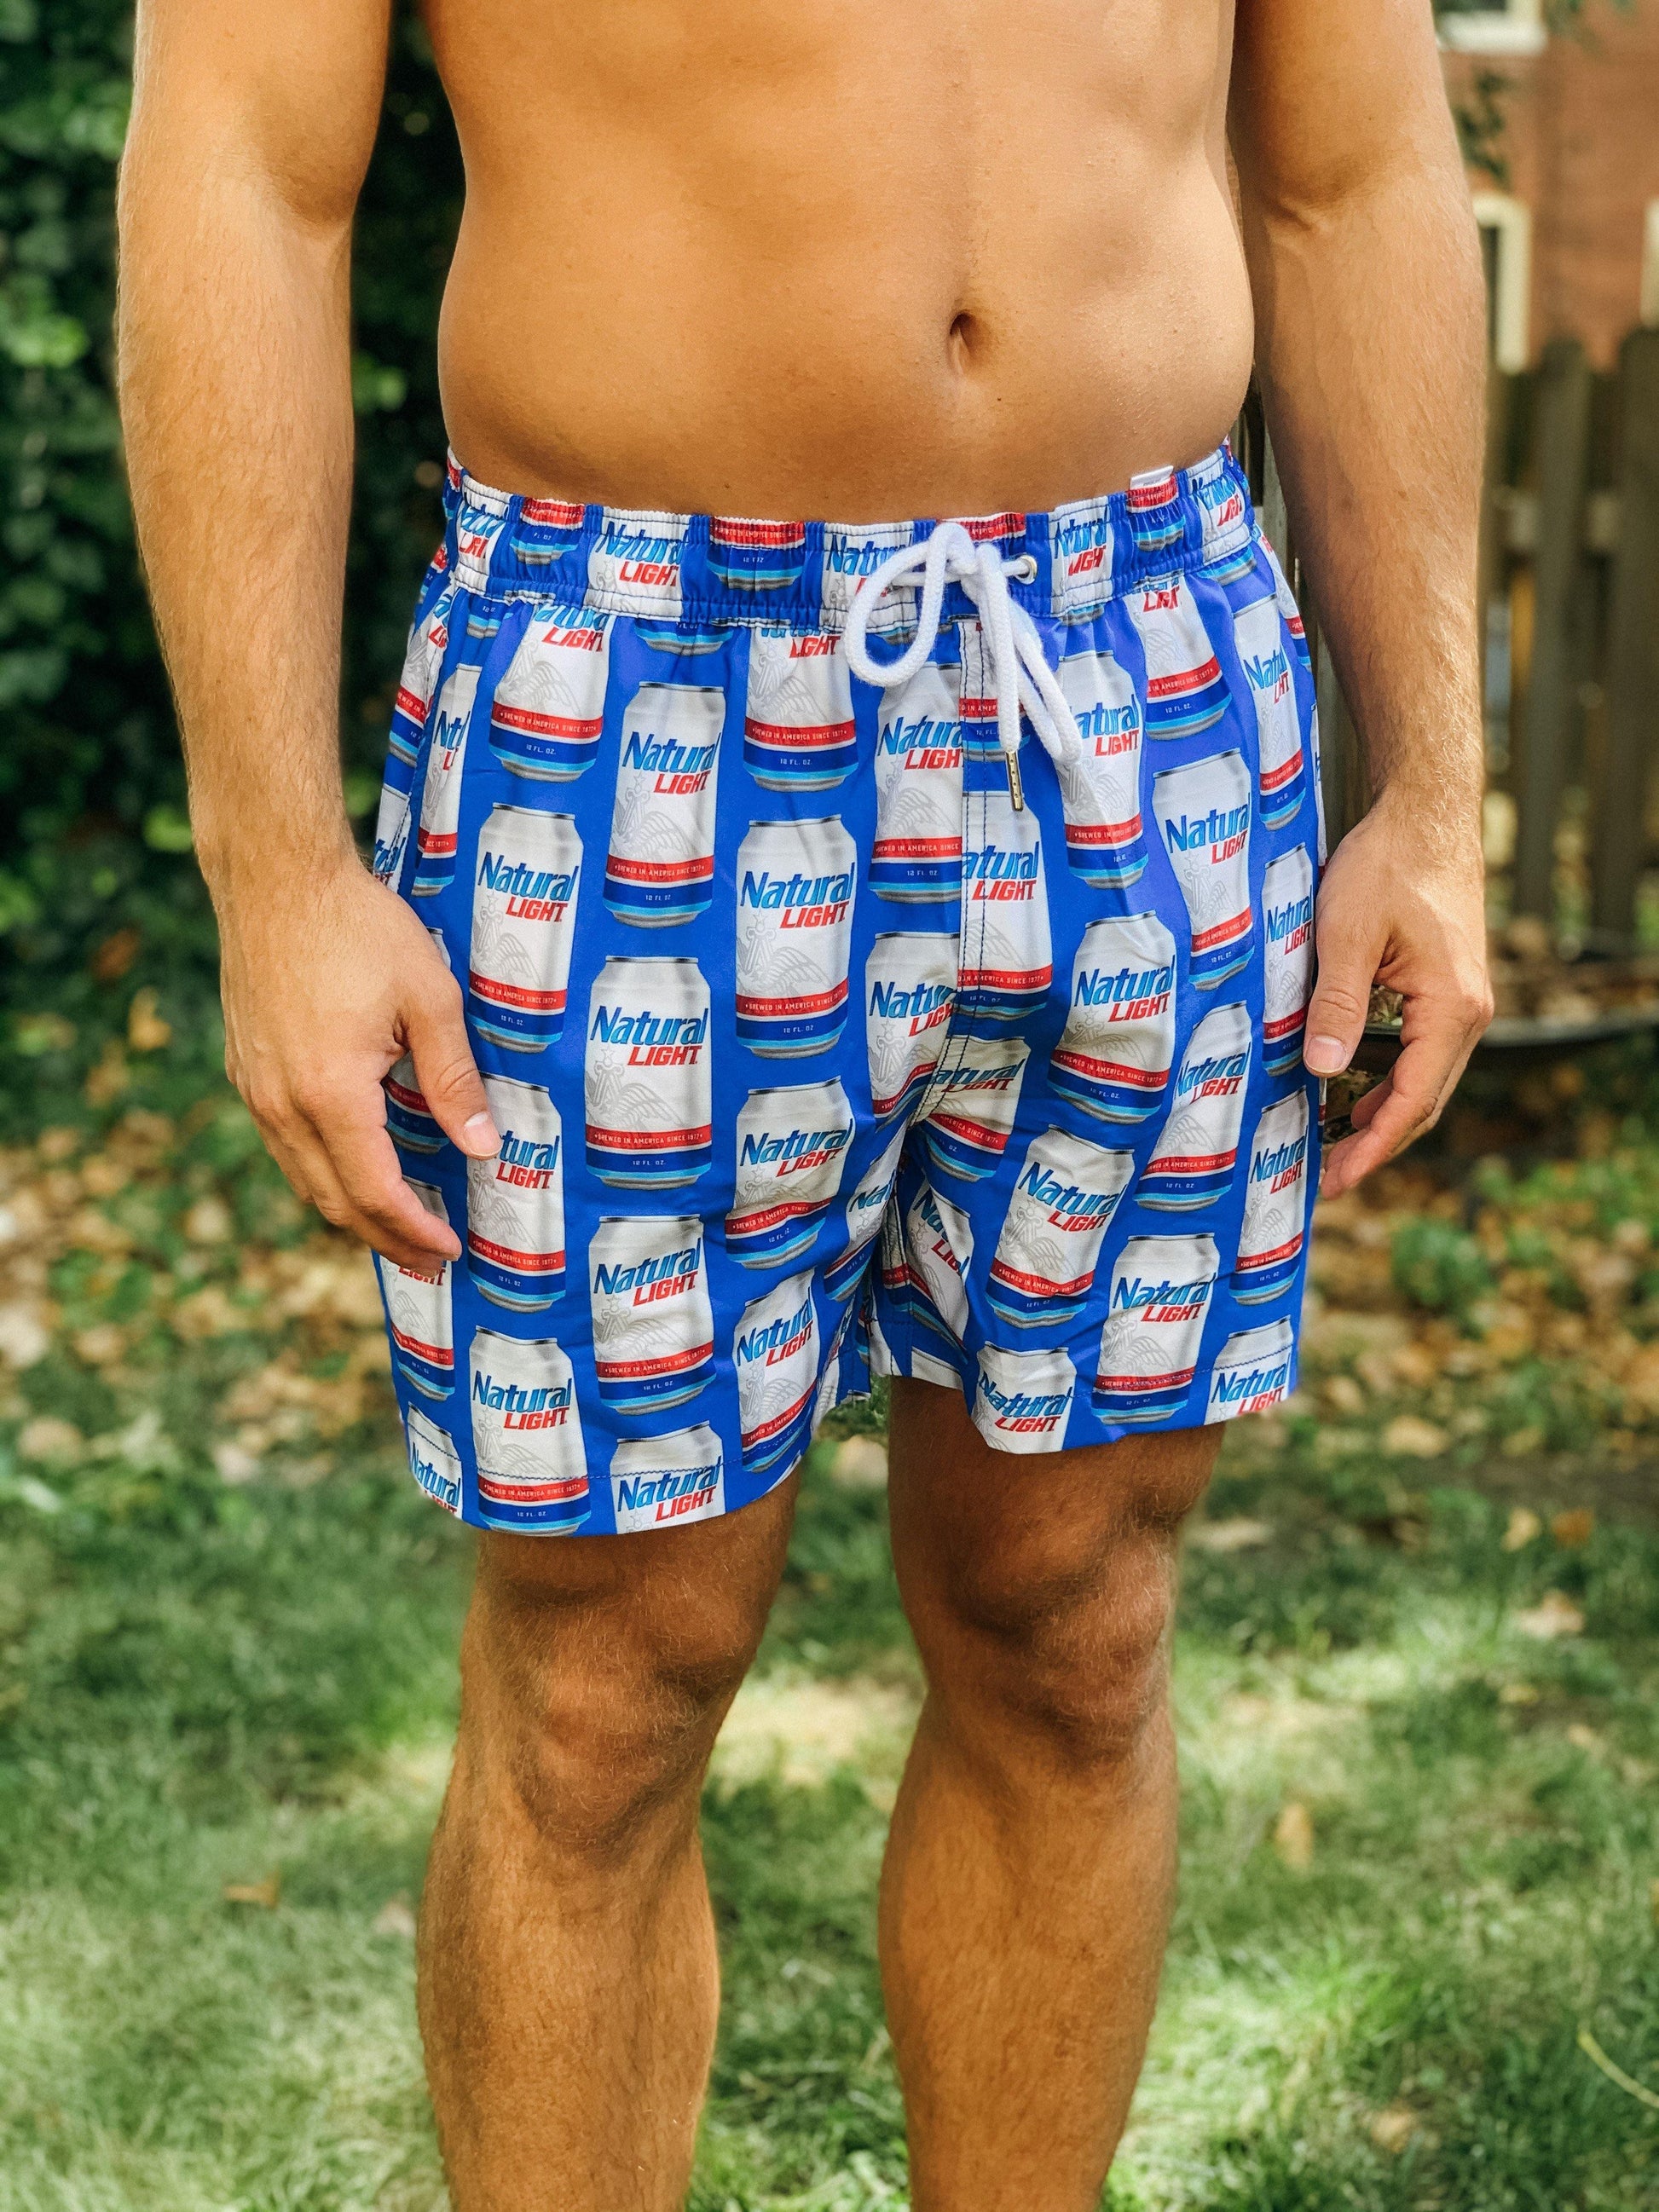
855	261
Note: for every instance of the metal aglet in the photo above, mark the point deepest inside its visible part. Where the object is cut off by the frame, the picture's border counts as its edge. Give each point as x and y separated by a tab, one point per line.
1016	787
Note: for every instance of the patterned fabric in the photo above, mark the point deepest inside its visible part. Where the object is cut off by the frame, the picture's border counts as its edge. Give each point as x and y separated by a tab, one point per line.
811	1052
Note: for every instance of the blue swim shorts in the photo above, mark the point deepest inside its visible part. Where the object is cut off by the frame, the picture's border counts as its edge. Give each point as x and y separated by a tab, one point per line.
886	949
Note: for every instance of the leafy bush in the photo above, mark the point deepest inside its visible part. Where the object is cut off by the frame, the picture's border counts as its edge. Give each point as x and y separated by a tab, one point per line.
1439	1267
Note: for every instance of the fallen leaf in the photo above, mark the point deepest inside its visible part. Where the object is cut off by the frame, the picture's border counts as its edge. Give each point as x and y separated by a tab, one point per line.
109	1078
1573	1528
1582	1736
146	1030
1344	1395
116	955
394	1919
1409	1436
47	1437
1518	1693
1235	1535
234	1462
24	1337
209	1221
1293	1837
101	1345
1554	1615
1392	2129
858	1463
267	1893
1525	1525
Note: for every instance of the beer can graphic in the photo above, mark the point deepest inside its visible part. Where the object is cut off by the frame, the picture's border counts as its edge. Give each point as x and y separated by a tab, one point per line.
1080	557
647	1081
1193	1162
419	1313
1186	691
829	1392
527	1436
1023	1400
441	796
1153	502
968	1113
1203	812
1287	928
433	1460
865	1210
1224	548
775	1352
660	866
392	822
1112	1057
798	733
910	987
766	556
984	767
1044	1266
1275	1202
1251	1372
549	707
662	1482
408	1116
634	565
795	889
792	1148
1161	1291
1285	600
515	1202
851	554
653	1326
427	640
1006	960
524	912
1259	636
938	1245
546	529
917	854
1100	784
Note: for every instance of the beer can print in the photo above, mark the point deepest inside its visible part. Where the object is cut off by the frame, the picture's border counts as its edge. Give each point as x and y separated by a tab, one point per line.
478	523
654	1326
865	1210
660	866
1100	784
549	708
1193	1162
917	854
427	640
1080	558
1023	1400
1251	1372
1161	1291
527	1436
1224	548
984	767
1067	1193
910	987
433	1460
441	796
798	733
419	1313
830	1393
524	912
646	1080
1285	600
851	554
969	1112
775	1350
765	556
938	1245
1112	1057
1186	691
1259	636
1153	502
1006	959
1275	1202
1287	929
664	1482
792	1149
546	529
633	565
1203	813
408	1116
796	884
392	822
515	1202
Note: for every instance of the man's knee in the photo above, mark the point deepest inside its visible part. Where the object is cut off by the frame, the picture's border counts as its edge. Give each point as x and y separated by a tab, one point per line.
594	1682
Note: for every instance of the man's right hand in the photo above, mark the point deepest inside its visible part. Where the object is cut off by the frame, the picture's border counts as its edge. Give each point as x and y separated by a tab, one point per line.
320	1001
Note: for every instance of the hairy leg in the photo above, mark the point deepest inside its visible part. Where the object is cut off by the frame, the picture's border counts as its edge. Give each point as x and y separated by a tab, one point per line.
1026	1890
569	1984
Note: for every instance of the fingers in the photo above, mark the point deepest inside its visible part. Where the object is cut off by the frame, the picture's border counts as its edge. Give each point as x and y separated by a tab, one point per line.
337	1155
1347	962
449	1078
1408	1100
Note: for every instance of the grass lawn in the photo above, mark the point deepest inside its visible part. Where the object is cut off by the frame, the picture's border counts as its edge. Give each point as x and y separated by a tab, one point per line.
1418	1649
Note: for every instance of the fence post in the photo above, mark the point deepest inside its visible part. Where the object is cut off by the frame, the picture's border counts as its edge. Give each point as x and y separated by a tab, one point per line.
1564	404
1632	667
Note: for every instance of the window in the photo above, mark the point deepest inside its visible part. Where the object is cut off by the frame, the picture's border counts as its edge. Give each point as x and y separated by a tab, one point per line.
1506	247
1516	28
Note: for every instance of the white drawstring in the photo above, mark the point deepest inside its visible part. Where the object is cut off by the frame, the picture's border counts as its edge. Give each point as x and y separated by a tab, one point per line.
1023	677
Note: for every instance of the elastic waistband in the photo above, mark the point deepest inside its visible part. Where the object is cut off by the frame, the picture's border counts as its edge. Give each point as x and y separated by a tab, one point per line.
721	568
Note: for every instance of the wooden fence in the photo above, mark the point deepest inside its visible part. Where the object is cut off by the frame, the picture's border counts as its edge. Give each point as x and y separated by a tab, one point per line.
1569	592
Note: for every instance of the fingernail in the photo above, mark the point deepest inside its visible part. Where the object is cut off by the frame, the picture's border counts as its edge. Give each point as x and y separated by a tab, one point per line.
479	1138
1326	1055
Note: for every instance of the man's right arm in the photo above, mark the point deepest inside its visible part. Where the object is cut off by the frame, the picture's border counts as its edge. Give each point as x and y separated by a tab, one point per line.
251	132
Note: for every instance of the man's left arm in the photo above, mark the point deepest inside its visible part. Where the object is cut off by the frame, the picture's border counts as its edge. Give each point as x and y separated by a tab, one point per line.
1371	351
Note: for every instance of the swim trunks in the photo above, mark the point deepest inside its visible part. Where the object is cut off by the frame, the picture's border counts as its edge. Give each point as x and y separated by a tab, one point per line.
836	1014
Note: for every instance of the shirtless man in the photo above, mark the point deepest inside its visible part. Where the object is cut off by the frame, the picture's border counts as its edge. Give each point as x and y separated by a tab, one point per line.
966	261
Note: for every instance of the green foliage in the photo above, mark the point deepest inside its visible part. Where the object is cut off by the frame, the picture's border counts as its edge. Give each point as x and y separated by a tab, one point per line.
91	787
1438	1266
